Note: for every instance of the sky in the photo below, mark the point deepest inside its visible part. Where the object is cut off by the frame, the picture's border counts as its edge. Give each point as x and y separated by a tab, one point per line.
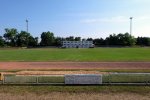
84	18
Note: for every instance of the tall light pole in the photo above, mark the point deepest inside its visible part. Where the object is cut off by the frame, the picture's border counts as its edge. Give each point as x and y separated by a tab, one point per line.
27	24
131	25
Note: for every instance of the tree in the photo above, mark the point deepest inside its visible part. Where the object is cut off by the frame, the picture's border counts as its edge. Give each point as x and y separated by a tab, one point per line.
58	41
33	41
128	40
83	39
121	40
47	38
112	40
143	41
99	42
70	38
23	39
10	36
89	39
77	39
1	41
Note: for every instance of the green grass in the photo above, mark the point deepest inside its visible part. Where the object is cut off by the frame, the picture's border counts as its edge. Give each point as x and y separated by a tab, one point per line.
96	54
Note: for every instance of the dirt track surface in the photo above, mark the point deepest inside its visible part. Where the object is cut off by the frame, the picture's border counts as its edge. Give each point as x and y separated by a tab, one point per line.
74	65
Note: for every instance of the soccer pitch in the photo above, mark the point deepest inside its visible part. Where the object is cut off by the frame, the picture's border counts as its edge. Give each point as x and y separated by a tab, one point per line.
80	55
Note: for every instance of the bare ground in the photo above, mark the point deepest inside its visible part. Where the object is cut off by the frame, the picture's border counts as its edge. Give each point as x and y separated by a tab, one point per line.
57	72
75	96
74	65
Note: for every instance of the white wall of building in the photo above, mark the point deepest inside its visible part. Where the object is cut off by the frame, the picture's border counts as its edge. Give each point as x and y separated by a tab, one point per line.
77	44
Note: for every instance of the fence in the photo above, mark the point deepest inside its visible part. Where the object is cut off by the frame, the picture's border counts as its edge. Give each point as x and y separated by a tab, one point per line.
112	78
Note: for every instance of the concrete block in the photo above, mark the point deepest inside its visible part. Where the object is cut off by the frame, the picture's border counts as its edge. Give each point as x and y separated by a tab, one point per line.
83	79
19	79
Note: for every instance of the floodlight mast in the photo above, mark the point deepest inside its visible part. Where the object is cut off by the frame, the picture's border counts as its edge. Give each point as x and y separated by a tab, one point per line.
131	25
27	24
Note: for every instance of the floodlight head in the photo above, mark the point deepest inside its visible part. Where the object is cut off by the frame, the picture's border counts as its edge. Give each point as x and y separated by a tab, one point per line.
26	20
131	17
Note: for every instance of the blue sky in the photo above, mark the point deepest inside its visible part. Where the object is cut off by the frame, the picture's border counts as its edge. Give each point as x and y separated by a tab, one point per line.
85	18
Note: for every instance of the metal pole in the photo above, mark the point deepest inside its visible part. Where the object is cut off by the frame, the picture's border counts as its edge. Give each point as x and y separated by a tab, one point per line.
27	24
131	25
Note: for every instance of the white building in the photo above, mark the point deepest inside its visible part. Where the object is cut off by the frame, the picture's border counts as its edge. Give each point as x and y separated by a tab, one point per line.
77	44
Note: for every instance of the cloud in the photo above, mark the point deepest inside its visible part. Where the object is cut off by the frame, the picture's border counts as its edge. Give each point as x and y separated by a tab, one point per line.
117	19
141	1
142	18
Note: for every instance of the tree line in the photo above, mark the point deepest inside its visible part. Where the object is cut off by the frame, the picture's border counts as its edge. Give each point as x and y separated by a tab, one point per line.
13	38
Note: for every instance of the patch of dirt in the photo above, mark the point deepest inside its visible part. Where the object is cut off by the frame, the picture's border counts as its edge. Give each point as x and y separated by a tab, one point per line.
57	72
74	65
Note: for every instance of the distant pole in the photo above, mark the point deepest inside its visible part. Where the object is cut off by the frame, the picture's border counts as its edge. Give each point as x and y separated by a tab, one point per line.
27	24
131	25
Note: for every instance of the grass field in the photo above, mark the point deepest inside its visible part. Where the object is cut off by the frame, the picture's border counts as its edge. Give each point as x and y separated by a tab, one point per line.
96	54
